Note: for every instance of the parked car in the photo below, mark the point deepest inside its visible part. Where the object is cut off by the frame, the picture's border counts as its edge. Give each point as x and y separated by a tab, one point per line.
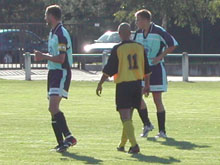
104	43
12	41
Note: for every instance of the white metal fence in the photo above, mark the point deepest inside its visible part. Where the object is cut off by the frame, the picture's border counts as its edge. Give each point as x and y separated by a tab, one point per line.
104	57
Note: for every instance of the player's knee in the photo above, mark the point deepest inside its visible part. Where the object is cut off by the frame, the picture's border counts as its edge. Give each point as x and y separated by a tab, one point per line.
53	109
125	117
158	101
159	104
125	114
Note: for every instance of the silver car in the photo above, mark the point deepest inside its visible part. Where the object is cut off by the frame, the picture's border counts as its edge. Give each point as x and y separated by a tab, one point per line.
105	43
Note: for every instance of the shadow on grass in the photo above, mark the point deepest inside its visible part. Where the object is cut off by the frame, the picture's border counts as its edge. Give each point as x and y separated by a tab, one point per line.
85	159
183	145
155	159
191	82
151	159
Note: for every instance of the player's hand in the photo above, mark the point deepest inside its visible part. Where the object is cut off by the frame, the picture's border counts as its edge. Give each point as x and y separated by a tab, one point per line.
146	91
156	60
38	55
99	90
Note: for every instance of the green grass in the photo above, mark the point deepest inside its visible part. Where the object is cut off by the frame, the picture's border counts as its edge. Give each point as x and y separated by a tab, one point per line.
193	122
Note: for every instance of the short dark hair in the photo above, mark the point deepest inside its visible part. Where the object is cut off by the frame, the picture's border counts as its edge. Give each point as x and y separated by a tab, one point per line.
55	10
144	13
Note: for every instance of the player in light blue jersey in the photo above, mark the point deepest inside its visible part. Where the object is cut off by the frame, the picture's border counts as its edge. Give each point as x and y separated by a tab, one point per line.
157	43
59	75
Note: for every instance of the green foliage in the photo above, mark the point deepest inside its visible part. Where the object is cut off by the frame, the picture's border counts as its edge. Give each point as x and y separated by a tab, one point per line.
21	11
215	8
182	12
195	15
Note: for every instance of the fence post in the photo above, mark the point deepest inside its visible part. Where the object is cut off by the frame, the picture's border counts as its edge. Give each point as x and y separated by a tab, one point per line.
185	66
27	64
104	58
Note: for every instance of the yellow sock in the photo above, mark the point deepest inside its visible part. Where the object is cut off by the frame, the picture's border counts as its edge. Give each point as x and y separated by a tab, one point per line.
123	138
129	130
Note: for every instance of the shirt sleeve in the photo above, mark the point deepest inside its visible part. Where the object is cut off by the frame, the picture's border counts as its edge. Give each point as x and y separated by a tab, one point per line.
167	38
62	44
146	64
111	68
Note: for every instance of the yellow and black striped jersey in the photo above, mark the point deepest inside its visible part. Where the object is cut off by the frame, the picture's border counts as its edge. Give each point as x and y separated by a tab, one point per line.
127	62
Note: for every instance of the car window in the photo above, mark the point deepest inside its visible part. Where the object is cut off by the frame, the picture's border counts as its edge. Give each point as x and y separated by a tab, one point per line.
11	37
31	38
114	38
103	38
110	37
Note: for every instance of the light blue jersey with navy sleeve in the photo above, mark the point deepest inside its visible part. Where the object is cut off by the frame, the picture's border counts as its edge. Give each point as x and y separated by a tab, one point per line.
155	42
59	42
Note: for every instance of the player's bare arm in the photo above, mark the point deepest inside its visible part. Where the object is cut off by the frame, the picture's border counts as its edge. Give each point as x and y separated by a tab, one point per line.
163	54
39	56
99	87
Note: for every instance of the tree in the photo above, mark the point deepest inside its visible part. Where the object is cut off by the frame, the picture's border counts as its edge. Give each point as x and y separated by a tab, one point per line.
84	14
181	12
14	11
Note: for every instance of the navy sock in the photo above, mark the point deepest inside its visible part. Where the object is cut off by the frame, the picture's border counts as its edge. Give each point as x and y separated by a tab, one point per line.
57	132
143	113
161	117
61	122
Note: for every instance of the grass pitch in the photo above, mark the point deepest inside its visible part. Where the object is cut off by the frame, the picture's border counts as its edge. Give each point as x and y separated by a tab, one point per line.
26	137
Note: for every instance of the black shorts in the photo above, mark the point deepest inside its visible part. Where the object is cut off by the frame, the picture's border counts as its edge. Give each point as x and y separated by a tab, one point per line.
128	95
58	82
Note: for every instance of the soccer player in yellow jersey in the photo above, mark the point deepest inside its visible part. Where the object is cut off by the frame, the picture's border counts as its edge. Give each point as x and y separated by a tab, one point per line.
129	65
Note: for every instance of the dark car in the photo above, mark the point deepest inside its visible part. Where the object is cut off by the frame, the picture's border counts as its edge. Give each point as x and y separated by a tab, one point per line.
14	41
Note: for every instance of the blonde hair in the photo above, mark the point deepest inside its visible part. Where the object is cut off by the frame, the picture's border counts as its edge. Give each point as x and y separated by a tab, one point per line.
54	10
144	13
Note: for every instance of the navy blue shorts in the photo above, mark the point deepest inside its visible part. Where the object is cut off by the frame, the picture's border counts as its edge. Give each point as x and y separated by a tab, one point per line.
58	82
158	78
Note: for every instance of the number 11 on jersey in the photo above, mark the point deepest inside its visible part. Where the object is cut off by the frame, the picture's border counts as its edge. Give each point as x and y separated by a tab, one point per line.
132	60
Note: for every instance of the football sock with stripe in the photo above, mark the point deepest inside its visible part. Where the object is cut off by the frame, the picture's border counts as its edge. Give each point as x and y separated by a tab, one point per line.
61	122
57	132
161	117
123	138
129	130
143	113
